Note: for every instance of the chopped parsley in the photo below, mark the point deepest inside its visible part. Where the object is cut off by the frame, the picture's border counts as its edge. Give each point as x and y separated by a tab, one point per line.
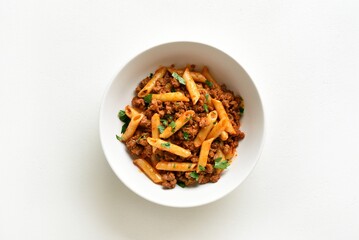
119	138
141	137
201	168
148	98
209	84
241	110
173	126
181	184
166	145
124	127
169	117
151	75
194	175
179	78
185	135
207	97
164	122
218	163
205	107
123	117
161	128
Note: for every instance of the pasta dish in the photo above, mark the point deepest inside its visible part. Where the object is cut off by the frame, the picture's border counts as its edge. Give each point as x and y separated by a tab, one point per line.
182	127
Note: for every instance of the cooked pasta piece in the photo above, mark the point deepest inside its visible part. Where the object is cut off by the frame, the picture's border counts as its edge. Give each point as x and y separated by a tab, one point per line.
155	122
191	86
201	136
223	115
209	77
197	77
203	155
223	136
132	127
130	111
178	124
176	166
217	129
148	170
170	97
169	147
151	84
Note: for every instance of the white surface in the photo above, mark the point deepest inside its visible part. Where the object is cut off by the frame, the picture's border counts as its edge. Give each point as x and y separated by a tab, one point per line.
57	57
222	67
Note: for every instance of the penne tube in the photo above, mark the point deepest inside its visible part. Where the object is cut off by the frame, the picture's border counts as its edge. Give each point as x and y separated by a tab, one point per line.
203	155
201	136
170	97
209	77
178	124
197	77
155	122
230	154
151	172
176	166
132	126
130	111
223	136
217	129
191	86
223	115
154	160
169	147
151	84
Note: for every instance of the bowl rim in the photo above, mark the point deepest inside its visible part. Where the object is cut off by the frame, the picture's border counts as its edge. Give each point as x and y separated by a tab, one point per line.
107	89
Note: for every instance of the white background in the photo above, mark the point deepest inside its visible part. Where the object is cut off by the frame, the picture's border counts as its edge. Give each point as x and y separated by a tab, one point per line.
57	57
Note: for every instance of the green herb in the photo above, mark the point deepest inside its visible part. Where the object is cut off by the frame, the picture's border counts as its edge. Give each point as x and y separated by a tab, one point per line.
166	145
124	127
119	138
164	122
148	98
201	168
185	135
181	184
210	84
218	163
188	118
151	75
141	137
179	78
194	175
161	128
169	117
241	110
173	126
173	89
207	97
123	117
205	107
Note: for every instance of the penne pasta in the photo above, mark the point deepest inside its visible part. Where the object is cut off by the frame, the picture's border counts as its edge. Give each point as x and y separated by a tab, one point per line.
150	85
191	86
151	172
230	154
130	111
155	122
223	115
169	147
223	136
178	124
197	77
176	166
201	136
154	160
170	97
217	129
203	155
209	77
132	126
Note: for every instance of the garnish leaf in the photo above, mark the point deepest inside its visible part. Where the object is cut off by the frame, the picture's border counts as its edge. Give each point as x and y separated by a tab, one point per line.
173	126
179	78
209	84
218	163
119	138
181	184
166	145
205	107
148	98
124	127
164	122
194	175
151	75
207	97
241	110
201	168
185	135
123	117
161	128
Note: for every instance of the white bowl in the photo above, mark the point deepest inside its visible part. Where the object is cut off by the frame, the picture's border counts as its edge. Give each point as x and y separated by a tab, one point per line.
225	70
